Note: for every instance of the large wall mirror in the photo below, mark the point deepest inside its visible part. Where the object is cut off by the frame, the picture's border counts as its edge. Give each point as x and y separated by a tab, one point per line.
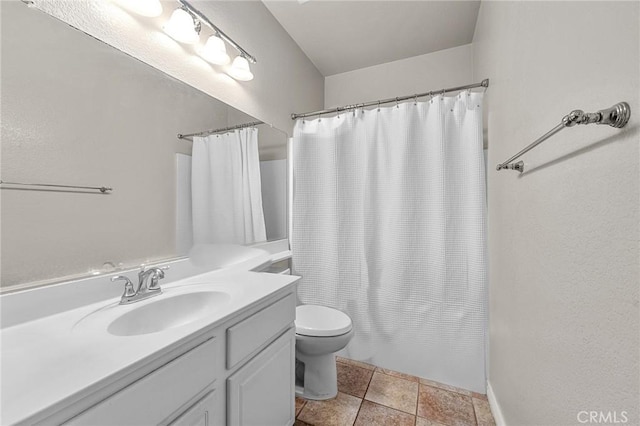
76	111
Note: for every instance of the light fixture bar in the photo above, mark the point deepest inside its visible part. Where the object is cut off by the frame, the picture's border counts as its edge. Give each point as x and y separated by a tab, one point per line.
222	35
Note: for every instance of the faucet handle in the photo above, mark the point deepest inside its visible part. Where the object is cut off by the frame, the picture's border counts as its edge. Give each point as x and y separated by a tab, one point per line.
160	270
158	274
128	285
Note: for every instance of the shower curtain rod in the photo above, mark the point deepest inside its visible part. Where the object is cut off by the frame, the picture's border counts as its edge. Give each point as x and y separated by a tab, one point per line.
484	83
212	131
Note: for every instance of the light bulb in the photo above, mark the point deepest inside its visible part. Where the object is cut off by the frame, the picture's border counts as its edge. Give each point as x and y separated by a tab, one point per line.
215	51
182	27
240	69
149	8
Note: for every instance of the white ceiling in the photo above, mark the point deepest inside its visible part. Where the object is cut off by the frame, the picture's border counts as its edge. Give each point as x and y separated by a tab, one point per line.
340	36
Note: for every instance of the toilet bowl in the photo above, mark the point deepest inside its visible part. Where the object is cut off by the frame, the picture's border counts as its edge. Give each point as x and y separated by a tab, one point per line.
320	333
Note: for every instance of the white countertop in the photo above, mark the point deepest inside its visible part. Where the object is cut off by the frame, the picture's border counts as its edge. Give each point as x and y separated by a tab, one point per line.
48	363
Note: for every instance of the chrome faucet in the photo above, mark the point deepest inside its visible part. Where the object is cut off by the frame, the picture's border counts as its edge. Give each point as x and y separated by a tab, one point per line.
147	285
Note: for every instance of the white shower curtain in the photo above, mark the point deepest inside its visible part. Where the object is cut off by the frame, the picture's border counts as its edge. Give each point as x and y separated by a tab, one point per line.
226	189
389	227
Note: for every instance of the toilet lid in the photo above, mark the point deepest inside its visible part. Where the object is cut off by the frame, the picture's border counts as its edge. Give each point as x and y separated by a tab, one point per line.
321	321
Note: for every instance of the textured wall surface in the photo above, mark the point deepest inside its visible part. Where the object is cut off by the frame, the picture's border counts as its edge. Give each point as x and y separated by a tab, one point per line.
446	68
285	79
563	236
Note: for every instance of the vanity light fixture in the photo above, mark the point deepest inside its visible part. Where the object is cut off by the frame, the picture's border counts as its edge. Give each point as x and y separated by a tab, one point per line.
240	69
183	27
214	51
148	8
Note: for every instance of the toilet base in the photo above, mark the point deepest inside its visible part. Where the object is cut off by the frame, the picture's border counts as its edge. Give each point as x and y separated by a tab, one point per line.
320	377
316	372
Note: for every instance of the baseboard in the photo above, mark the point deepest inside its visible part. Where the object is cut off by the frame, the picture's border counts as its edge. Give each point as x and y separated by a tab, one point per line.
495	407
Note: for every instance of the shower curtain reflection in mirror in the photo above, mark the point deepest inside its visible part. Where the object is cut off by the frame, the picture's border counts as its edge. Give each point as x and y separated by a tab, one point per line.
226	189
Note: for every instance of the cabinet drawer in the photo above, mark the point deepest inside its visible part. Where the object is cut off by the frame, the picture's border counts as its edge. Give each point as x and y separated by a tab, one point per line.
157	395
261	393
249	335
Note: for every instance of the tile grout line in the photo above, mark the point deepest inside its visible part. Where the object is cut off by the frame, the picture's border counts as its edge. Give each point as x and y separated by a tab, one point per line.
304	403
473	405
363	396
415	420
418	400
358	413
473	409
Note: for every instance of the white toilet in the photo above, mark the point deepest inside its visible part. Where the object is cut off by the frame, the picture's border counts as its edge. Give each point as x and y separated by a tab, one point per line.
320	333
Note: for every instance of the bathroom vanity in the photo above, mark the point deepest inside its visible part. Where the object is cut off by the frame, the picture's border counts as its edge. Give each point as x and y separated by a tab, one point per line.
213	349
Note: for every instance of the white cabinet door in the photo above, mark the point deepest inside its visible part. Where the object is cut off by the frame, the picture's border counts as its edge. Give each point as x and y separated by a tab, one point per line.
262	392
199	414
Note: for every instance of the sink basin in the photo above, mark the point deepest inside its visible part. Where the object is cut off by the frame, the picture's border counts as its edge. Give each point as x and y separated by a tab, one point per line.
160	313
163	313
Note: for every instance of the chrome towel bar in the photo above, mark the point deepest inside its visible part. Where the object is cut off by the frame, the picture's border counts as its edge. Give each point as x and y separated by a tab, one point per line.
102	189
617	116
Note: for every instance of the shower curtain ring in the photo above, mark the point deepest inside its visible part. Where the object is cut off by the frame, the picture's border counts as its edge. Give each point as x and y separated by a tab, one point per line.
378	106
338	112
415	99
431	97
397	106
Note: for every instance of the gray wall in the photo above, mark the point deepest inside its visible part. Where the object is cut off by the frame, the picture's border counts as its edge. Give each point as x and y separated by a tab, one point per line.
563	237
445	68
273	174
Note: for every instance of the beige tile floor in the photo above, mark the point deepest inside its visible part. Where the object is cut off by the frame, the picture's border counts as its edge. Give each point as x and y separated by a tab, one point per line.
369	396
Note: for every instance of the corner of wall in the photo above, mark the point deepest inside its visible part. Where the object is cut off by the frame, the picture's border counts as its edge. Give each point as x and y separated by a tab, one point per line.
495	406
